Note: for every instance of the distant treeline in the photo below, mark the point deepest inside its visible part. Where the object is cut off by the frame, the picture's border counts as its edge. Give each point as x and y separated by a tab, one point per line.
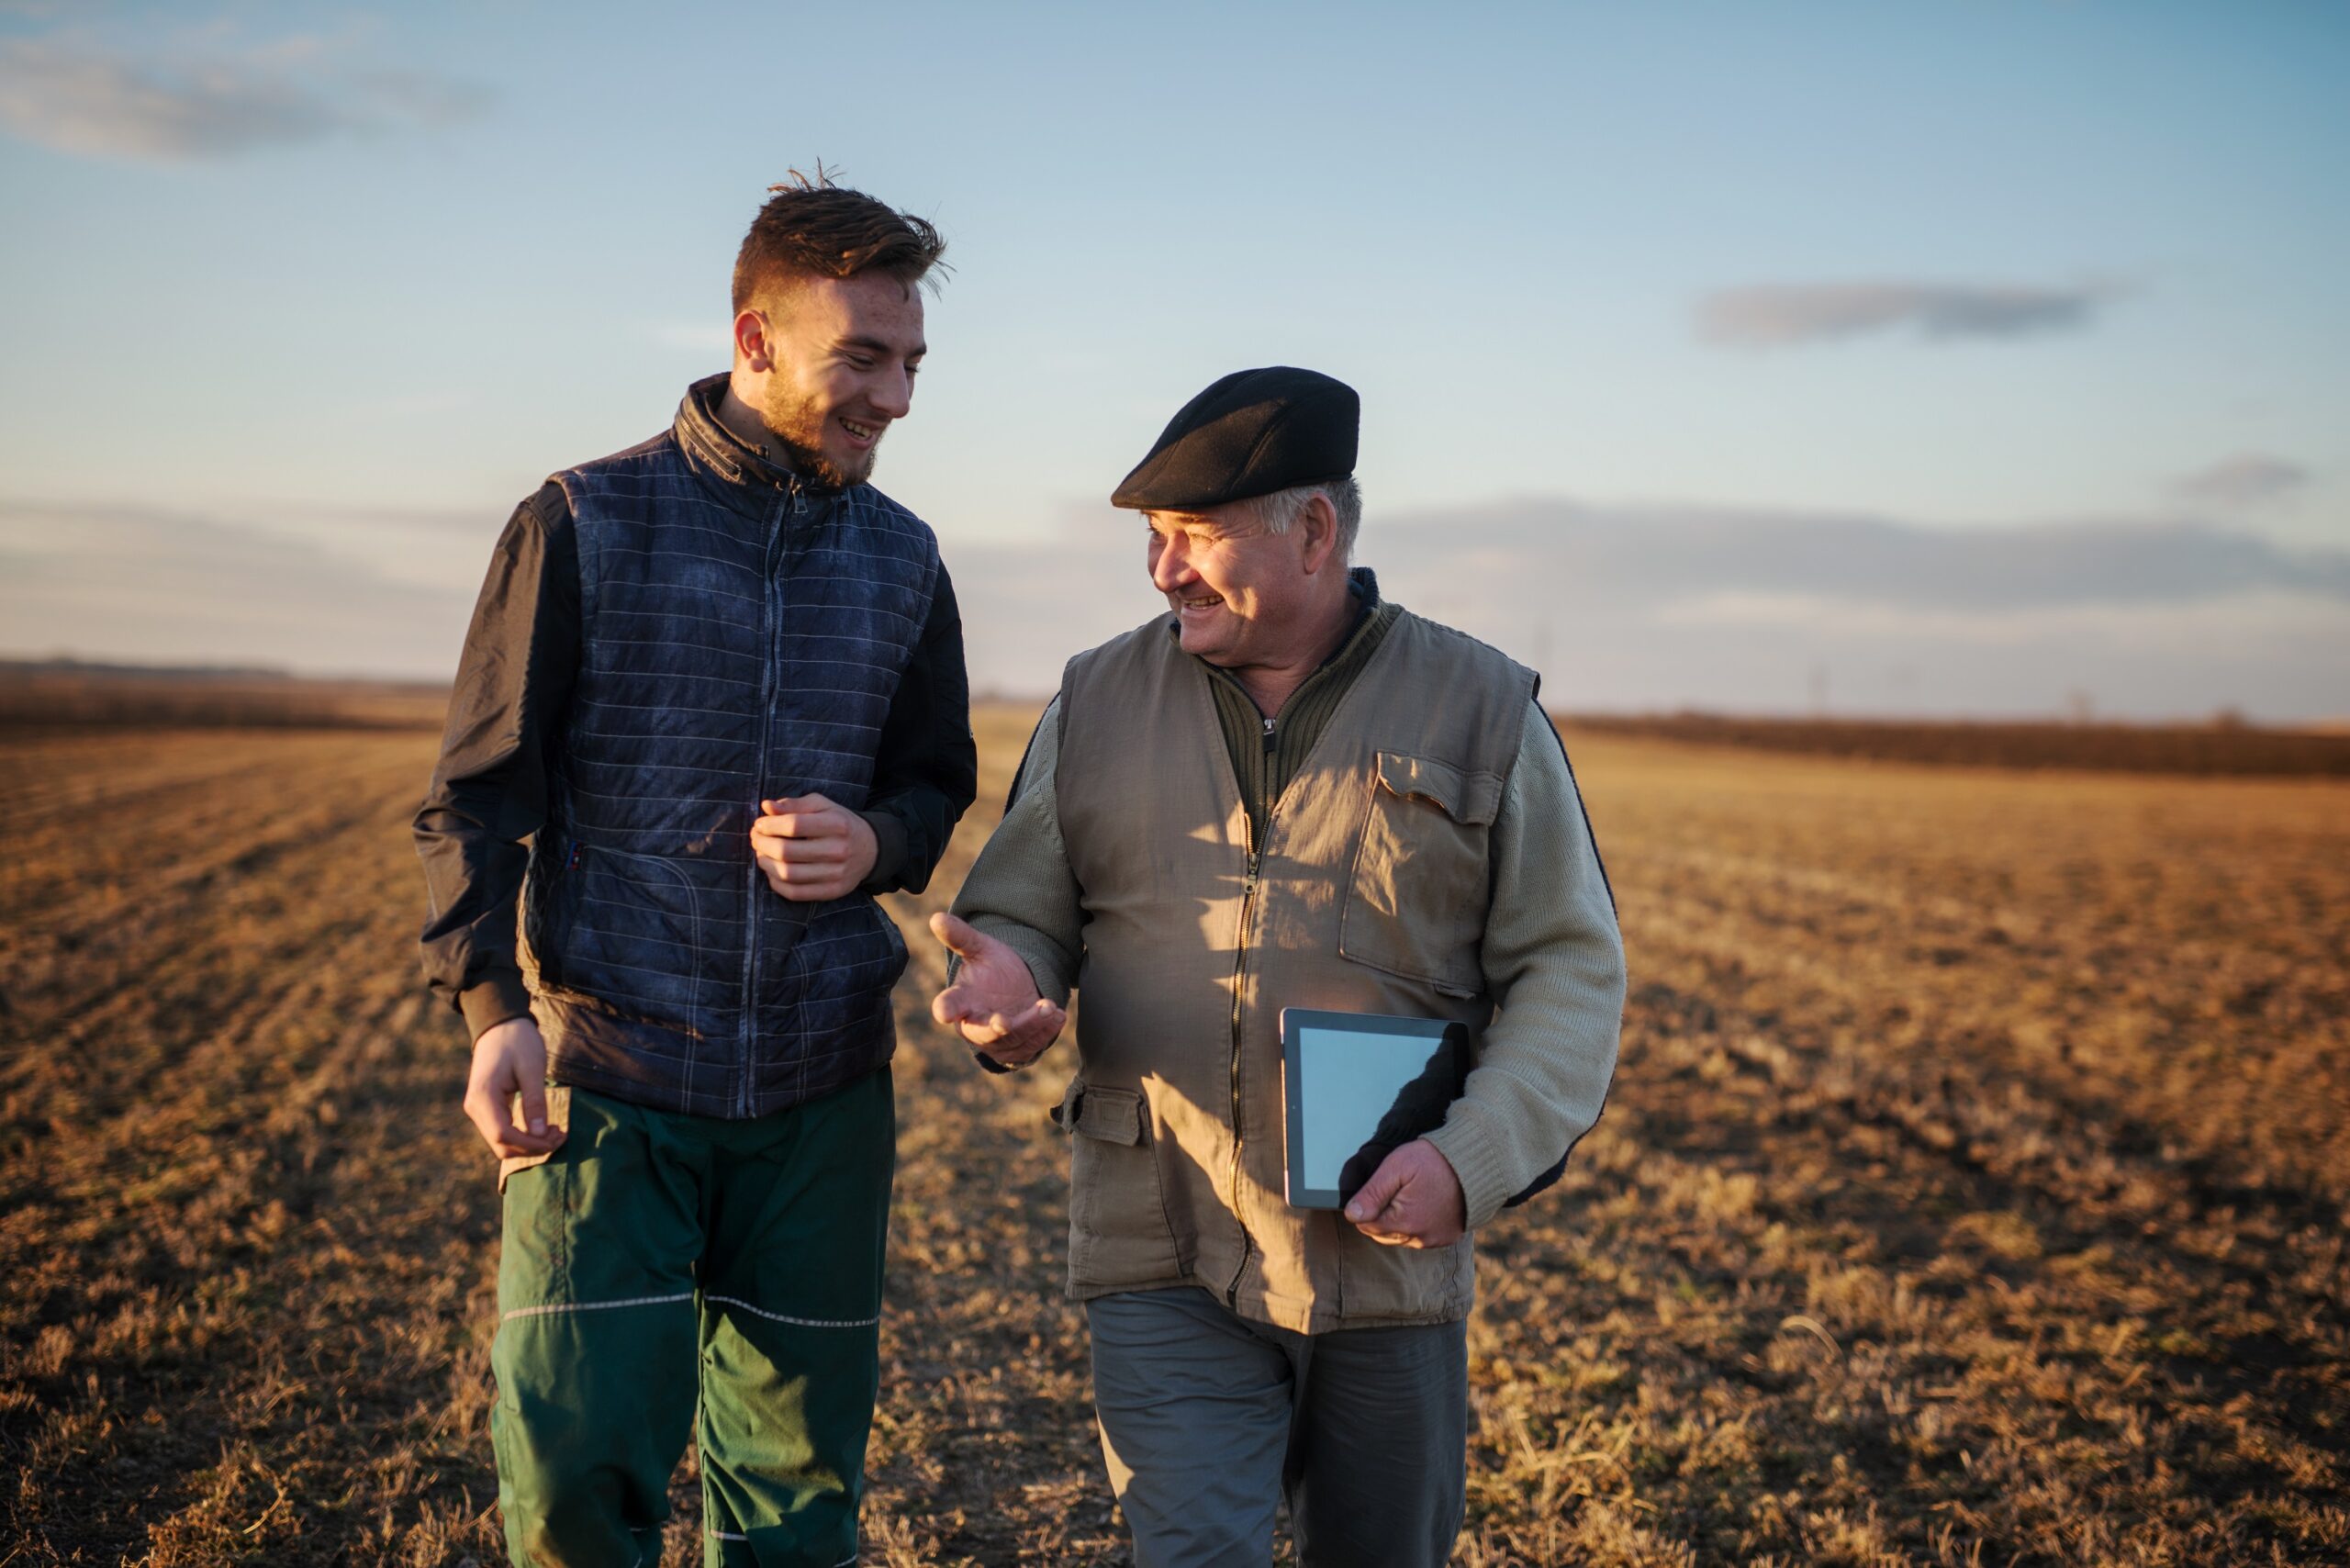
2225	746
102	669
64	694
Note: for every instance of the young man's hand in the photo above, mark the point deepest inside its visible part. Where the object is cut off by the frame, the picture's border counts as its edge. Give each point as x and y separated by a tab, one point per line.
1413	1199
812	849
993	1000
511	1058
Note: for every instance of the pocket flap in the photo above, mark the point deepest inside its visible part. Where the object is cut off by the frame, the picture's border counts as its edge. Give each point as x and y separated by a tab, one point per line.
1113	1115
558	1116
1473	799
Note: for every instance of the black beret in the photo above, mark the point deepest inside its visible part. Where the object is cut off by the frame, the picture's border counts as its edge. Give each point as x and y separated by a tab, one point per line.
1251	433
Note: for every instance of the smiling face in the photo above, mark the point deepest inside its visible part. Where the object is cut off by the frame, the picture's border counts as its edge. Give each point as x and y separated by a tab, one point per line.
829	363
1266	606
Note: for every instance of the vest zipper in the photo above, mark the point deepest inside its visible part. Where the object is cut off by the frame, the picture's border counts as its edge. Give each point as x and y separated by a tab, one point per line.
770	628
1264	812
1240	972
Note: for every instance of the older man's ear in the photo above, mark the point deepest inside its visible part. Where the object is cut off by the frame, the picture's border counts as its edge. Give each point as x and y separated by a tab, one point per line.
1319	523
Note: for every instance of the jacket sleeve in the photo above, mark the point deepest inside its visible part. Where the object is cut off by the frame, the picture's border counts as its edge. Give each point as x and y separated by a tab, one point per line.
1021	891
1553	961
926	769
489	790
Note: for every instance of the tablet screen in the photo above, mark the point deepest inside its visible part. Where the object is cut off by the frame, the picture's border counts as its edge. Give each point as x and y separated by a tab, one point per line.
1352	1074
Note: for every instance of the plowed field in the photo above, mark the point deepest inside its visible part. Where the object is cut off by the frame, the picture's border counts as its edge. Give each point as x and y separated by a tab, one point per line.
1976	1188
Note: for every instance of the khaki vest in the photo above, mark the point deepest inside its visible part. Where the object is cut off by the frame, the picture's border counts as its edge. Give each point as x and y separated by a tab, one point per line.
1369	894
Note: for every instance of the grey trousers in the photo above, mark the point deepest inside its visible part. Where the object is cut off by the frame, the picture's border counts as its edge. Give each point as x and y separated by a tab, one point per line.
1208	1421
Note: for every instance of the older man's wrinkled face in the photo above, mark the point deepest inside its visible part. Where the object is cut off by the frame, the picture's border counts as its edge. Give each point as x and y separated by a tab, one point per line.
1240	594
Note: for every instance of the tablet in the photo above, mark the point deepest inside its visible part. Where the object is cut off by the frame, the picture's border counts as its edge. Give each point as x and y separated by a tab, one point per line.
1353	1078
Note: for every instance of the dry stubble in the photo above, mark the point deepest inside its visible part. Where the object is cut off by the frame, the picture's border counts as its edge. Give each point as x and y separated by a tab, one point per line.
1974	1189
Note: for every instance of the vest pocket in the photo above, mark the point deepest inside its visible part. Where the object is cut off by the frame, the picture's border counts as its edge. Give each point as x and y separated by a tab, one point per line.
1410	1283
1117	1221
893	936
1416	905
545	909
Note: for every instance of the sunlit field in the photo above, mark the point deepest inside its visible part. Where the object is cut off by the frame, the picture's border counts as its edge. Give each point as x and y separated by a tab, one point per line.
1975	1189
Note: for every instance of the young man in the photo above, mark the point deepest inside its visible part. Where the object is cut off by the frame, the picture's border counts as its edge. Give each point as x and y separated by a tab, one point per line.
1285	791
717	681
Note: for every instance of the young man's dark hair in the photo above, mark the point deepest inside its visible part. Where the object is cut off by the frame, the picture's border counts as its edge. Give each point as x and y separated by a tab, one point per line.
716	682
815	229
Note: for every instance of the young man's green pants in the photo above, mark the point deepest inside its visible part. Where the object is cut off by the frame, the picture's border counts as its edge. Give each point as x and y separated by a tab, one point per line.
658	1261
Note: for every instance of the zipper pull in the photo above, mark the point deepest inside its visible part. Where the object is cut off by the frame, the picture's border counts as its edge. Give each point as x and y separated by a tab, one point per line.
1264	796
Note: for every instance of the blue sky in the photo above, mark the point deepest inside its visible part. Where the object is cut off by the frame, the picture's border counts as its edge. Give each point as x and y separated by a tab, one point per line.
299	299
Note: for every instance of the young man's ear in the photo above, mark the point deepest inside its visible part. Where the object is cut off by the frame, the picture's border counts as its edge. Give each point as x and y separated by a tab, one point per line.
751	349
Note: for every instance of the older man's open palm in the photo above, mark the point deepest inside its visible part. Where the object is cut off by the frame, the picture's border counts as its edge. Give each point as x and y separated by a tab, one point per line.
993	1000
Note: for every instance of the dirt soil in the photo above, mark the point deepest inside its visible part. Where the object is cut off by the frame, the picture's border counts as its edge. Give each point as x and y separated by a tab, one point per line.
2226	745
1976	1188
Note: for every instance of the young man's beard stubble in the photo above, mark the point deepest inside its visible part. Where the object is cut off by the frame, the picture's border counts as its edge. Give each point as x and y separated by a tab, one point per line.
797	426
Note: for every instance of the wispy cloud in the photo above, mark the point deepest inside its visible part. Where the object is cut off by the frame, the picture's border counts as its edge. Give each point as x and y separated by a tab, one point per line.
79	99
1644	555
1624	607
1786	315
144	583
2246	479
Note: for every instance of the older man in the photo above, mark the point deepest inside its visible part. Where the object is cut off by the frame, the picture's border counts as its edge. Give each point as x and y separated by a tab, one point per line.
1285	792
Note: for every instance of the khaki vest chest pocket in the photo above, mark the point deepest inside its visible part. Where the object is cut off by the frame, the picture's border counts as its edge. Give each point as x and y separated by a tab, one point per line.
1117	1219
1416	905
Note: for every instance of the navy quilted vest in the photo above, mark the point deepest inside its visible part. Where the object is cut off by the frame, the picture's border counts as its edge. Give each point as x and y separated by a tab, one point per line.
742	637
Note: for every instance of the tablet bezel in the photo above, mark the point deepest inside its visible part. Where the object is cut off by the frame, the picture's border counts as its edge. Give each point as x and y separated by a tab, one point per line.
1295	1021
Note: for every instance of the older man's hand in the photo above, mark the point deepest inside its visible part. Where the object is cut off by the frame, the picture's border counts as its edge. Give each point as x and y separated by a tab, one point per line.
1413	1199
812	849
993	1001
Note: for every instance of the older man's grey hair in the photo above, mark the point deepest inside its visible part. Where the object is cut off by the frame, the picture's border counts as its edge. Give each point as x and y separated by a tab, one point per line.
1277	511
